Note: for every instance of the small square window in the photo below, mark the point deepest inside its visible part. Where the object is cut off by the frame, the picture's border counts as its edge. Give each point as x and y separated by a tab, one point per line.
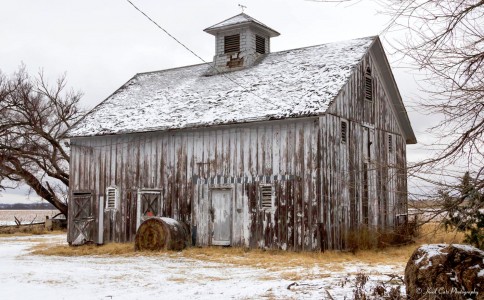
150	203
82	203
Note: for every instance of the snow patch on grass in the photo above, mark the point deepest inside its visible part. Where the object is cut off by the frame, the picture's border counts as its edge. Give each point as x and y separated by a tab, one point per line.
169	275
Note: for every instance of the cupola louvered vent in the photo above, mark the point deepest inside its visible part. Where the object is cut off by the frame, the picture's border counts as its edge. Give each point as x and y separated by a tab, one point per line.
232	43
111	197
260	44
266	196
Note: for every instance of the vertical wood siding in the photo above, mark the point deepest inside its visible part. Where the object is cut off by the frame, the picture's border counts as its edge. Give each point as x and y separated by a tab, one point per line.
185	165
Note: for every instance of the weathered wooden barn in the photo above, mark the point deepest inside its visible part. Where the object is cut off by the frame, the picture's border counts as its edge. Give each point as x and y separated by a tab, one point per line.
295	150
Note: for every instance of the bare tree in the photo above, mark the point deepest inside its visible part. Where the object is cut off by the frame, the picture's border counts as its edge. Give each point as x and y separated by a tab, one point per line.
34	117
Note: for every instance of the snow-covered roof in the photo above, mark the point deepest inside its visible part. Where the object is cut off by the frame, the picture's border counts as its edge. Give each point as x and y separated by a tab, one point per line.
239	20
293	83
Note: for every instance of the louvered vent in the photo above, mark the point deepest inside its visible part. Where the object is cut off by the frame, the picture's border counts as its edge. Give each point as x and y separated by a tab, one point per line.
343	132
260	44
266	196
111	198
232	43
368	88
390	143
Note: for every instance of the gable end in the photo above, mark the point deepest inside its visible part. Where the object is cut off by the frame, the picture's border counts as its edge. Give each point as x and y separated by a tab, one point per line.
378	54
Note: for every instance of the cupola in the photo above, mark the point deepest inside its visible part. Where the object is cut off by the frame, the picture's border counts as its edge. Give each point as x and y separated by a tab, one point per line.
240	42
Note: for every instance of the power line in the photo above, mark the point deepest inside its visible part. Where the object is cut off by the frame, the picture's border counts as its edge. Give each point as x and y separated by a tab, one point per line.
196	55
170	35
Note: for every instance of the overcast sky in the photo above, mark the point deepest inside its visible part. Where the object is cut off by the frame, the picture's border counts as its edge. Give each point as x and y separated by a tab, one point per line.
101	44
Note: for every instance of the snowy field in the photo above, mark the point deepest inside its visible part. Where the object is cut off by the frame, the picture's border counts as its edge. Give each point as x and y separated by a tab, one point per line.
27	276
25	216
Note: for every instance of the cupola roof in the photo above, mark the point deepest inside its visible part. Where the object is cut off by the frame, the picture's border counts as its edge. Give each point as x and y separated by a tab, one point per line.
240	20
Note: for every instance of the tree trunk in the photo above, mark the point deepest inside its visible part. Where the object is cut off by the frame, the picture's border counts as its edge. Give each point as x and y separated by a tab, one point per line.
37	186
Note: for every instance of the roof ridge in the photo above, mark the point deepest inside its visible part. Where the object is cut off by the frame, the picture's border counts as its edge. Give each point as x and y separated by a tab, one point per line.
172	69
329	43
268	54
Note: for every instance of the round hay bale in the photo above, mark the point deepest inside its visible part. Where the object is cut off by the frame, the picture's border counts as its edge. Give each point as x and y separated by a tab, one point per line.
159	233
441	271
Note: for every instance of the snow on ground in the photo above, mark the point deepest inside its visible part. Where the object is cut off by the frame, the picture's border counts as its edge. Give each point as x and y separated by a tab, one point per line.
7	217
27	276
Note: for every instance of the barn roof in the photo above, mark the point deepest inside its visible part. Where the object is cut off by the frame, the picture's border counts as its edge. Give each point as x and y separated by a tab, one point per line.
293	83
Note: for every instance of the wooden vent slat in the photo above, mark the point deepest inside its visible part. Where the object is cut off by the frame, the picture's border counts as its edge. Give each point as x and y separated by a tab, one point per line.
368	88
266	196
232	43
260	44
343	132
111	198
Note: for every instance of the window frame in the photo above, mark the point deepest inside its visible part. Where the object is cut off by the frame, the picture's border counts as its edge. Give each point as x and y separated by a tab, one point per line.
139	205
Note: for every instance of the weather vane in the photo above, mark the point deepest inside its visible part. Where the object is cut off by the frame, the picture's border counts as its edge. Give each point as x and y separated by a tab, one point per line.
242	7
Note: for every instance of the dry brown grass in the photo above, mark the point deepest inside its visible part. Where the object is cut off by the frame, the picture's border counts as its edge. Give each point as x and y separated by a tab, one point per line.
267	278
330	260
276	259
26	230
435	233
120	249
177	279
270	259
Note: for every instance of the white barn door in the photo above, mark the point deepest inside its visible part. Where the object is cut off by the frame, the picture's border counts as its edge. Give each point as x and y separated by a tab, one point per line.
222	216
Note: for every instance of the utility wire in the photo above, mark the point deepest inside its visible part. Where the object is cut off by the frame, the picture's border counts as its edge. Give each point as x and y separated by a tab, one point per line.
184	46
170	35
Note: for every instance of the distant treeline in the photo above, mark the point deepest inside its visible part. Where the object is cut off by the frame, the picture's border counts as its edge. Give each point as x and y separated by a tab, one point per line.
26	206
